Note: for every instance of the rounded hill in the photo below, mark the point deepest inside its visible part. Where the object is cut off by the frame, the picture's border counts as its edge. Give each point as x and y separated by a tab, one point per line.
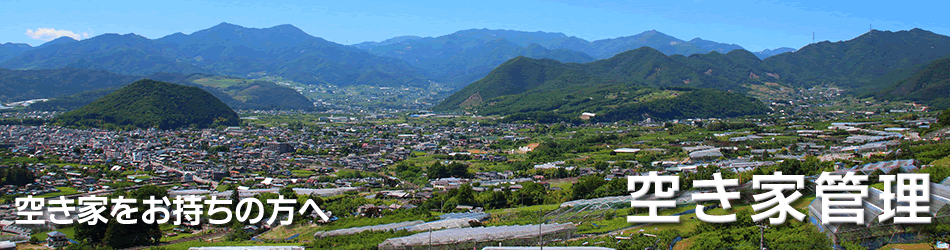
153	104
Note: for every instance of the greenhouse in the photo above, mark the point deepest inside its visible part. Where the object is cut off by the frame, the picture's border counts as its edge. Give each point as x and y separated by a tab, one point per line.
469	238
904	166
443	224
376	228
549	248
873	233
479	216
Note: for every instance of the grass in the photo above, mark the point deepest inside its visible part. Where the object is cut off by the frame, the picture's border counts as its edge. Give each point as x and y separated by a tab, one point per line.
62	191
944	162
284	232
189	244
302	173
167	228
918	246
564	184
534	208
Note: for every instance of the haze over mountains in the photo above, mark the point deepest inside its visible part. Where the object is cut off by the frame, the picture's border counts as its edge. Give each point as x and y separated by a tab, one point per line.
227	49
853	64
71	88
440	56
868	63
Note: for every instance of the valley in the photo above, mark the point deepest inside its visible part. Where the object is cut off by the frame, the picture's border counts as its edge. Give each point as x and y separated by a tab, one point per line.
471	139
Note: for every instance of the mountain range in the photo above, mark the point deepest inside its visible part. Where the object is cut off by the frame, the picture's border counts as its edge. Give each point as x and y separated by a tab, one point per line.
853	64
71	88
867	63
465	56
227	49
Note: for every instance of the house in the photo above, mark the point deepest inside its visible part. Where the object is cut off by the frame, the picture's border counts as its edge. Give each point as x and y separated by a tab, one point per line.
587	116
251	229
55	239
280	147
626	150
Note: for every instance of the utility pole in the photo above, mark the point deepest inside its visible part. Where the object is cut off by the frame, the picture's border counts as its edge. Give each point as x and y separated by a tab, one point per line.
540	238
430	237
762	236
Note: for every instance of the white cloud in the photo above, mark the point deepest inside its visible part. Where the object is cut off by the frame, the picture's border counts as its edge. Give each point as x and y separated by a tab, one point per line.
48	34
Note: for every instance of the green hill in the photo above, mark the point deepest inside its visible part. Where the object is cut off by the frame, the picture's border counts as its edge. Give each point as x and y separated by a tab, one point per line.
930	85
152	104
637	84
641	67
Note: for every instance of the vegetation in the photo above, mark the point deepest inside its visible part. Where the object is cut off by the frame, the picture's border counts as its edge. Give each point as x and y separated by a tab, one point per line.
148	104
115	235
229	49
857	62
19	85
930	85
16	176
235	92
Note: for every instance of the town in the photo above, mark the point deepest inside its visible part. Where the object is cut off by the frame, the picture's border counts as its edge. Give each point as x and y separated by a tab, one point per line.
389	176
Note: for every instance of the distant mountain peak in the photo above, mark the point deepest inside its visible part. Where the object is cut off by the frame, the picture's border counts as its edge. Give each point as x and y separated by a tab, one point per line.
60	40
226	25
286	27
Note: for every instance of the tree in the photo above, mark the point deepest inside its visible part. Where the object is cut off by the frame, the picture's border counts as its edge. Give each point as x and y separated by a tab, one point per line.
531	193
136	234
586	187
437	170
92	233
466	195
944	118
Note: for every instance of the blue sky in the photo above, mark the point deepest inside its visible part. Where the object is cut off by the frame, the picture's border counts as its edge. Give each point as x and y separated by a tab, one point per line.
755	25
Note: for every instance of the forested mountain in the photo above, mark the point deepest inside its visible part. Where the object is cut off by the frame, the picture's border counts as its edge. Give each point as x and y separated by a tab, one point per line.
72	88
19	85
147	104
855	63
415	48
930	85
289	52
129	54
240	93
475	63
394	40
9	50
466	56
657	40
852	64
865	63
771	52
644	66
637	84
226	49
